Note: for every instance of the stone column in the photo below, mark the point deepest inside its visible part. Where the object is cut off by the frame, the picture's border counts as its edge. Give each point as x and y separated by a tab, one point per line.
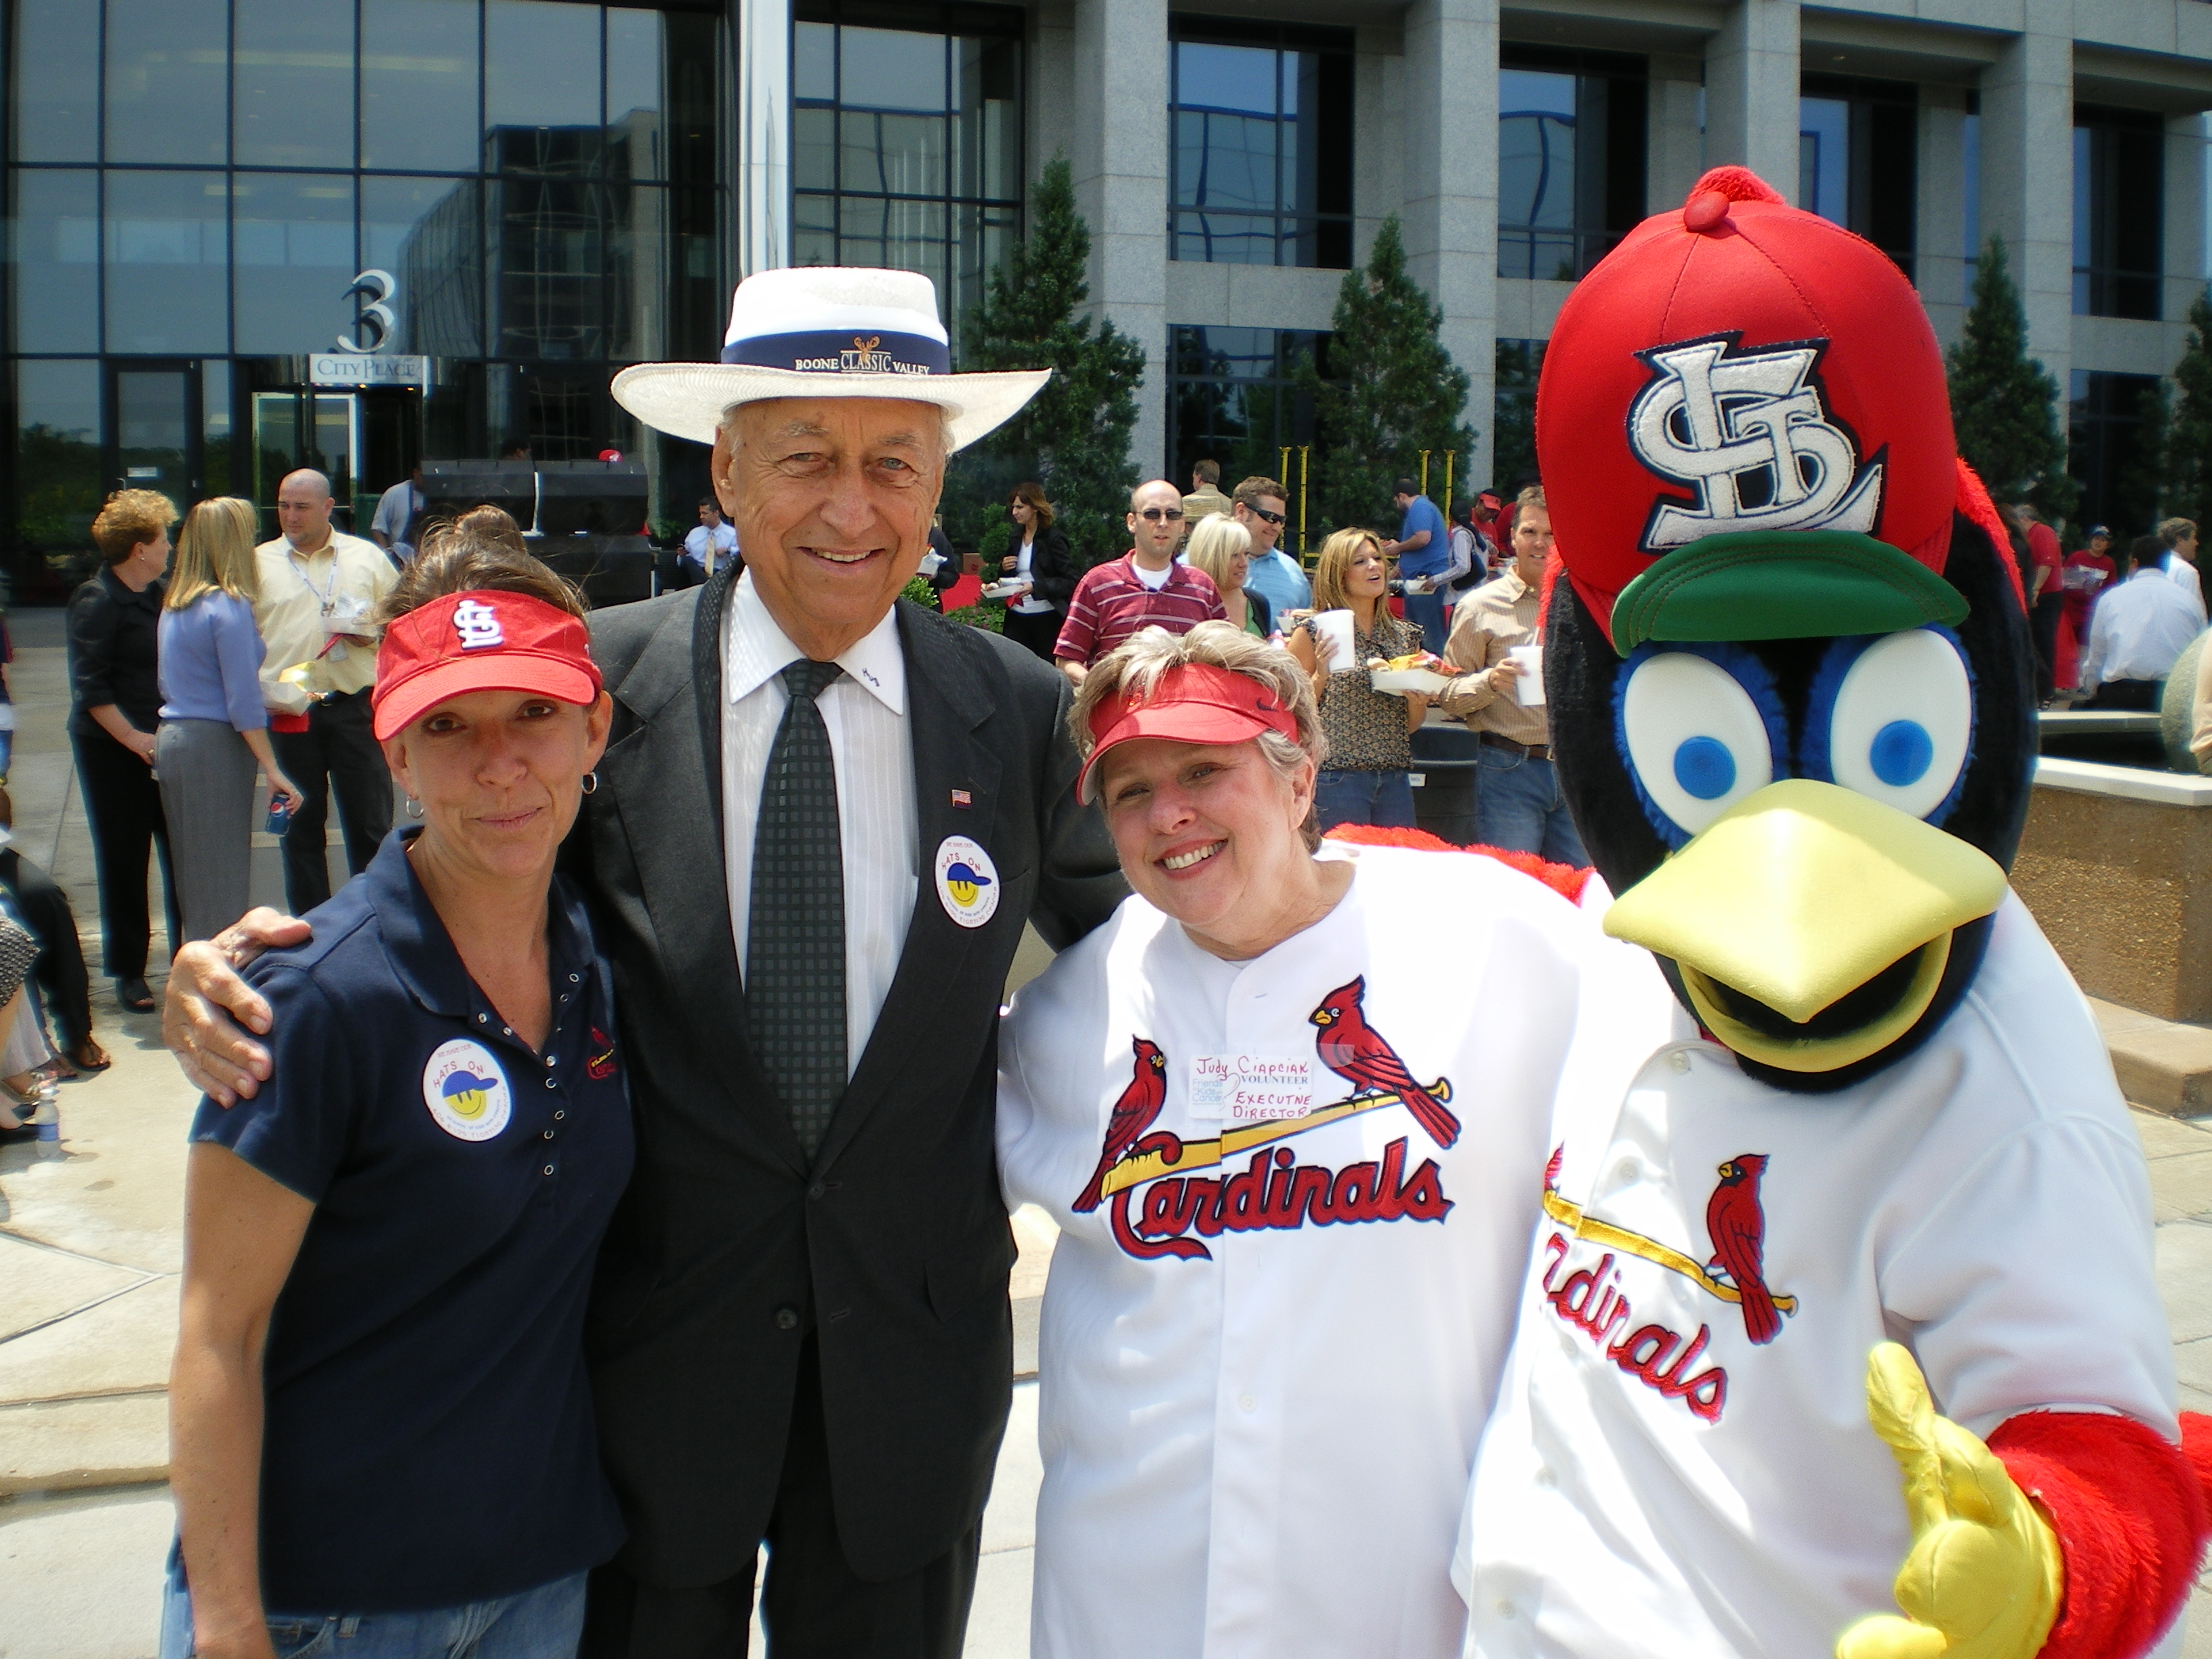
1942	233
1451	217
1675	144
2027	176
2184	255
1117	144
1751	92
764	126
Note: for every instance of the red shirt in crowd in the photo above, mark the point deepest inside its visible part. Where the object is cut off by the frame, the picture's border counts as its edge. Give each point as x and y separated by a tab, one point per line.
1114	602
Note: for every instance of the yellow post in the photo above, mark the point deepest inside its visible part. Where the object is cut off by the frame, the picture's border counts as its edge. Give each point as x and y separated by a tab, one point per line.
1450	455
1285	468
1424	472
1303	450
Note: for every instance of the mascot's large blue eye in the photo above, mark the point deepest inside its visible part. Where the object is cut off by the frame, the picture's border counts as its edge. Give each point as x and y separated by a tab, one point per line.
1698	732
1704	766
1901	753
1892	718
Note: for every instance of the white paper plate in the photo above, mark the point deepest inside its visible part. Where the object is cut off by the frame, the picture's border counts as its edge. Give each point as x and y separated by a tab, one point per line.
1397	681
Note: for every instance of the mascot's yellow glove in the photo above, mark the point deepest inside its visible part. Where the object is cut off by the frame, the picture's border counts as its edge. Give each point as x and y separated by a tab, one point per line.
1984	1575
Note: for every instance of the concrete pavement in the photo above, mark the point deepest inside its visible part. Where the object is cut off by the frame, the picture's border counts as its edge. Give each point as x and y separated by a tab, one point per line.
90	1250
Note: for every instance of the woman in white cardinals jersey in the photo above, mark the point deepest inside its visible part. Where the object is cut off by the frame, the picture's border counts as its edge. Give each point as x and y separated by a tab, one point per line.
1287	1110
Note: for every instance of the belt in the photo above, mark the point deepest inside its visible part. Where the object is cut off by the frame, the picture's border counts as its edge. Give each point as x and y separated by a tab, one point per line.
1542	752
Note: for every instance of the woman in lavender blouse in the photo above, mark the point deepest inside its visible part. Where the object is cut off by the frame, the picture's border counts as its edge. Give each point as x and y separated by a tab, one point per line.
215	731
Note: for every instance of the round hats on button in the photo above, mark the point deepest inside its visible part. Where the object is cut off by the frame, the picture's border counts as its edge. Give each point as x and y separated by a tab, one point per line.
1705	211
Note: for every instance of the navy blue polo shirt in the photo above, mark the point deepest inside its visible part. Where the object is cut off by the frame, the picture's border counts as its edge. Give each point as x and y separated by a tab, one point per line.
428	1439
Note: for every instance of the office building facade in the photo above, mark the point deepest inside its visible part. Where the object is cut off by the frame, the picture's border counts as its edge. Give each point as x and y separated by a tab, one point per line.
246	234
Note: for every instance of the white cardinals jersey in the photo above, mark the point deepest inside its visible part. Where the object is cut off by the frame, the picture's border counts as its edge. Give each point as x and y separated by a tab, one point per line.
1681	1465
1296	1209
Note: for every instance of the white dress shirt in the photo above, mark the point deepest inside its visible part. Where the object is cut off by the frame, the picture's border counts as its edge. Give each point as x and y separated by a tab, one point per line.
865	712
2185	577
2138	629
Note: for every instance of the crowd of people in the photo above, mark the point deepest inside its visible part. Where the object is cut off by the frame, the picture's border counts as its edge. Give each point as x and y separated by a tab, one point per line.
605	1191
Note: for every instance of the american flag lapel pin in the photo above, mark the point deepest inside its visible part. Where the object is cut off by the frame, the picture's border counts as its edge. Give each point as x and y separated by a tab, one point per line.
962	798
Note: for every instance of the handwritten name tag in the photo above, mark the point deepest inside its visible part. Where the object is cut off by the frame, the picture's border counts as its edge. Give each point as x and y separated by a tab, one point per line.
1250	1088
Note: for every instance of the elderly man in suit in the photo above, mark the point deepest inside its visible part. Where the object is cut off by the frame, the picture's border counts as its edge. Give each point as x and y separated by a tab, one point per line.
821	820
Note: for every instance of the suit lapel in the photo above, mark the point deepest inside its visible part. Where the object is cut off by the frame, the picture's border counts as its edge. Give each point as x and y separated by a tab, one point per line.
946	700
667	783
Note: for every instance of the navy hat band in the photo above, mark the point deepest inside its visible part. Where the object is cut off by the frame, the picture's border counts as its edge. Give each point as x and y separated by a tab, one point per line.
832	351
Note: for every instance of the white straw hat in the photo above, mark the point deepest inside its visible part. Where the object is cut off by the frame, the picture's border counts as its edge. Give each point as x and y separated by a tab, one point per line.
827	332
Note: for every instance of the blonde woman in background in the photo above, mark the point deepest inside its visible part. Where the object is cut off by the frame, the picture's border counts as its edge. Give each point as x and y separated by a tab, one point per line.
1222	548
1370	742
214	730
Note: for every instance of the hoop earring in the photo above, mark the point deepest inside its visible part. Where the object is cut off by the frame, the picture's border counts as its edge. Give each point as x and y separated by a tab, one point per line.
414	807
591	783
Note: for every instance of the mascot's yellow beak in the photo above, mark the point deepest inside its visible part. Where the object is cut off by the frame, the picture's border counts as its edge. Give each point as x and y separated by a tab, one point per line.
1796	896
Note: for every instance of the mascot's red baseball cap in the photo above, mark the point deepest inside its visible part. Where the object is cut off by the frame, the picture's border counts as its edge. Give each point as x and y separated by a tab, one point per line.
481	640
1745	432
1193	703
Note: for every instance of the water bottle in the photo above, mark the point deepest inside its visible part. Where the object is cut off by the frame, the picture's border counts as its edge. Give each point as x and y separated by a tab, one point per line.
47	1119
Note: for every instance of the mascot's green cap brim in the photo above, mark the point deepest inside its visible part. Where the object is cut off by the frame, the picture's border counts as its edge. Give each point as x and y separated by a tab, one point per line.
1786	585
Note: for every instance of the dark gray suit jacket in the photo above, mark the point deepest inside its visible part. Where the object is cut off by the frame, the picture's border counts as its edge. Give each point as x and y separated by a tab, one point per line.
894	1243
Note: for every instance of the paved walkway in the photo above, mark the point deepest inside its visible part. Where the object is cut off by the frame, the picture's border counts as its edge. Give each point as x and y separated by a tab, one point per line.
89	1253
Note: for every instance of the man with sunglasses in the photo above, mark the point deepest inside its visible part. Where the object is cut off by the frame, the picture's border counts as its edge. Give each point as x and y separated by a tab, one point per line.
1146	588
1260	506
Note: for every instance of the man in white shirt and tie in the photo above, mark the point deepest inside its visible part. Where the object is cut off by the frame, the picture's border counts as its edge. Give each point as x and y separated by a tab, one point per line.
711	541
2139	628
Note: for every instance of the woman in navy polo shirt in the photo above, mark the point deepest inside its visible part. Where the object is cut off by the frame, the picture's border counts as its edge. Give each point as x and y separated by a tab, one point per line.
382	1433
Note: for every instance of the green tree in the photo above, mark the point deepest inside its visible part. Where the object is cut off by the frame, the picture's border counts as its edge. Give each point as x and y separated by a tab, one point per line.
2188	469
1513	420
1074	437
1393	390
2004	405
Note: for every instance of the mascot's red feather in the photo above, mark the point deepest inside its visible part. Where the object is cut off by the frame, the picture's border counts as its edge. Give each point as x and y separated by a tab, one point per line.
1786	665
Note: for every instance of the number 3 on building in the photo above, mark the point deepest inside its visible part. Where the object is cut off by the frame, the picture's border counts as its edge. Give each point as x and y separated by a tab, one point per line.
374	322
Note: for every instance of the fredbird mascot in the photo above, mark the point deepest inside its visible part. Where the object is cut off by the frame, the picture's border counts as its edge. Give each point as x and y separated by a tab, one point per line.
1862	1197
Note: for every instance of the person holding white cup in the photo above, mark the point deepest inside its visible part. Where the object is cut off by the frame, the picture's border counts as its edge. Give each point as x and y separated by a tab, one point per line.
1499	693
1364	777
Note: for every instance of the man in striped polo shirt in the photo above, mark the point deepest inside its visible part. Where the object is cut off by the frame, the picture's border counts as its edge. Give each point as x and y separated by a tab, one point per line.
1142	588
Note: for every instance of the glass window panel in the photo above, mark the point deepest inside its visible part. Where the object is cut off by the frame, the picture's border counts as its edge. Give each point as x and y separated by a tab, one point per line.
1238	78
427	234
293	258
638	275
166	97
166	242
898	155
547	268
418	85
58	480
153	422
1535	148
1824	158
814	149
814	230
56	86
215	426
541	64
55	255
892	69
635	97
1233	239
814	61
987	124
292	83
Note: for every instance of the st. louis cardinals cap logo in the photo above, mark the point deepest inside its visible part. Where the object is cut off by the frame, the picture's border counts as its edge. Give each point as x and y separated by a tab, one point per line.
1751	434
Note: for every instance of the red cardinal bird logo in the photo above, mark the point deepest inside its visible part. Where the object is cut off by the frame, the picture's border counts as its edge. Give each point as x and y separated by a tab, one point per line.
1133	1112
1737	1226
1356	1052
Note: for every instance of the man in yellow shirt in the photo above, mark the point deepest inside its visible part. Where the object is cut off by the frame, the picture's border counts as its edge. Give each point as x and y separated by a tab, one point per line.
319	592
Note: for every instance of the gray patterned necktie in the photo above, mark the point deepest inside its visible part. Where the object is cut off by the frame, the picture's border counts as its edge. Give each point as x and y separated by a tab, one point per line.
795	933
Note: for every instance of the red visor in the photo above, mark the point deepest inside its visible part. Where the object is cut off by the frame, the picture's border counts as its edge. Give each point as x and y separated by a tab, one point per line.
1195	703
479	642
